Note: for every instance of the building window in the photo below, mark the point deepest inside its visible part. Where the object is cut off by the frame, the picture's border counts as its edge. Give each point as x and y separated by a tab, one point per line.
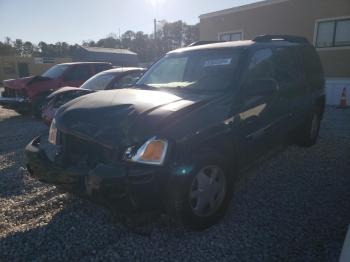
231	36
334	33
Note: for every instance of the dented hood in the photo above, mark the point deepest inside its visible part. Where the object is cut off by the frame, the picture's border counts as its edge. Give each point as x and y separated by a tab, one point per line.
32	85
125	116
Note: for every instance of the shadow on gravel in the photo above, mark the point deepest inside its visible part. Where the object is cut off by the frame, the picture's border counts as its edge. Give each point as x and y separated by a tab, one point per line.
12	182
16	131
294	207
80	229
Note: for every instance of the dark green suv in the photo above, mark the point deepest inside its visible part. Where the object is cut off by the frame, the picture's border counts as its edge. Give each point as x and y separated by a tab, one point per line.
177	139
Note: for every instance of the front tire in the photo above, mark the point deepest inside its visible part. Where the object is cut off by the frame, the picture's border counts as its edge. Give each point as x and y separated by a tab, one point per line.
37	107
201	198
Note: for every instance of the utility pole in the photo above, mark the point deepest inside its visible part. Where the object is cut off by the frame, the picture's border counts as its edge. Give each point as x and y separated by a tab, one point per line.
155	28
155	38
181	35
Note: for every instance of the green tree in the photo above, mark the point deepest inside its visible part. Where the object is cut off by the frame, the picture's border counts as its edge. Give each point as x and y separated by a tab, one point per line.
18	45
109	42
28	48
6	47
127	39
191	34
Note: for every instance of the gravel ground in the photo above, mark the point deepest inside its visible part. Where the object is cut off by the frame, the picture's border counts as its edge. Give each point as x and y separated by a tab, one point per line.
293	207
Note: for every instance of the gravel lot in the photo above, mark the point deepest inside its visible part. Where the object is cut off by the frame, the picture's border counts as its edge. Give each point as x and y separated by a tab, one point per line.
293	207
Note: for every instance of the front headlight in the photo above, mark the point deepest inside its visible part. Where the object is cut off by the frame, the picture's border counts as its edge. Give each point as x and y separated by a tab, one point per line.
53	132
152	152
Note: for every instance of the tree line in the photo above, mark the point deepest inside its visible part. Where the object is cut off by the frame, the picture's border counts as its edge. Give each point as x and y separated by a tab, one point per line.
169	36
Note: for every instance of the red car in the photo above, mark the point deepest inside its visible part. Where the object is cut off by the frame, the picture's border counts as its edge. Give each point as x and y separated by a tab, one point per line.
28	94
110	79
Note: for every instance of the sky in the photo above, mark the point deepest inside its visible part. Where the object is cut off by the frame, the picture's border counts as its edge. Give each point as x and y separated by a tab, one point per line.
73	21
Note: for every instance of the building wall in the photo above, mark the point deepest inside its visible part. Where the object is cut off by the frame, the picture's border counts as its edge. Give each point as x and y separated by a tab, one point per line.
295	17
36	66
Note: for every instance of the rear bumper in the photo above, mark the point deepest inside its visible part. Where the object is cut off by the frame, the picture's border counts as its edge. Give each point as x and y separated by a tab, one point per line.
15	102
128	189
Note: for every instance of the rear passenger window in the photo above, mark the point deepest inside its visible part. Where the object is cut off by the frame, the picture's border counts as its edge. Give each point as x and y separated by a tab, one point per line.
260	65
79	73
101	67
286	66
313	70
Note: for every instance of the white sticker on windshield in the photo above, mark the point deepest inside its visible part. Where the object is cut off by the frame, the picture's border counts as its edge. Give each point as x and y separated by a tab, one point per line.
217	62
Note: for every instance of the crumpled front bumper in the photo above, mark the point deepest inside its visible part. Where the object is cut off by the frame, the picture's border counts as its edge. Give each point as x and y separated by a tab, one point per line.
129	188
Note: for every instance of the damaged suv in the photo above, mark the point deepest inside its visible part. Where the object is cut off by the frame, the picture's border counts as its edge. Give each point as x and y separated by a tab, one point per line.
177	139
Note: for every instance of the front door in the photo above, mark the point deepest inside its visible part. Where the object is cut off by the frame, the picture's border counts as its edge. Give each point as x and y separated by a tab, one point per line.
259	114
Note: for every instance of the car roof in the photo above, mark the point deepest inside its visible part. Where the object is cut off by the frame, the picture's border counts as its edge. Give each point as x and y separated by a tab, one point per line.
123	69
120	70
235	44
81	63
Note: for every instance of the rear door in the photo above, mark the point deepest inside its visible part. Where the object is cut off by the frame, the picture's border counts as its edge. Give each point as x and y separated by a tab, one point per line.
77	75
259	114
292	89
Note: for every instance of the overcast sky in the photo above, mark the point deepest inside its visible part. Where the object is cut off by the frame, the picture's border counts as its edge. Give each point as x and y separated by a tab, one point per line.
76	20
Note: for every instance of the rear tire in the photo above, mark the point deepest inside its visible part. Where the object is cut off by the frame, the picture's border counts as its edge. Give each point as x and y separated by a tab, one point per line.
37	107
308	134
201	198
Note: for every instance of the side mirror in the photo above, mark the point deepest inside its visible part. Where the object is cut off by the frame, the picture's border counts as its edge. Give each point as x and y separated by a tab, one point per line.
263	87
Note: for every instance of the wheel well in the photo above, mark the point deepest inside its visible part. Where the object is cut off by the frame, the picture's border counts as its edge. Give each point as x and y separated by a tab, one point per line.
320	104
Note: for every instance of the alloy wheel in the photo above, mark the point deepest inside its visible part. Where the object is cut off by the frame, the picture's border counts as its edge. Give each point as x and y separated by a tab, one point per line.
207	191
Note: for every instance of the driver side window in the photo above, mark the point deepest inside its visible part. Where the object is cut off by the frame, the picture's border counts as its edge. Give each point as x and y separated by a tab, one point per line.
261	65
79	73
260	68
172	70
128	80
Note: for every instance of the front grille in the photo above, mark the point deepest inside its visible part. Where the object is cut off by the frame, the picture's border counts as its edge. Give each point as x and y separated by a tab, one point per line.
10	92
80	151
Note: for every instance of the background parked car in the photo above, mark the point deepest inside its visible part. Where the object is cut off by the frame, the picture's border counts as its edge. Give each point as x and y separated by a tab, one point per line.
110	79
26	95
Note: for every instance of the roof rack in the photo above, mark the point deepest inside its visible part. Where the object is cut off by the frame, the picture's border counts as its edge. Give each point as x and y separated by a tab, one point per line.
289	38
204	43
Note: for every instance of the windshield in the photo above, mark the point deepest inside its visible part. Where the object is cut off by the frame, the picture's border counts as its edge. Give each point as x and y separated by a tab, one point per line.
55	71
207	70
99	82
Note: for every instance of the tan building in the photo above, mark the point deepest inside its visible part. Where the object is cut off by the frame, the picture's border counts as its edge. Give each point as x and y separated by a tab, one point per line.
15	66
325	23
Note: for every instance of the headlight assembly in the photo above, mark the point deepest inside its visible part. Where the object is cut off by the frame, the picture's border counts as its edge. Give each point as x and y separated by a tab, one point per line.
53	133
152	152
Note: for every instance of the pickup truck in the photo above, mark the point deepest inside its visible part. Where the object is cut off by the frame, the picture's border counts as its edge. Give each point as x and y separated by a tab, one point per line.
26	95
